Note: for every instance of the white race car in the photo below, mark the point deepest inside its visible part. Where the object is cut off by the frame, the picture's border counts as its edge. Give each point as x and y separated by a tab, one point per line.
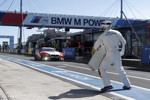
48	53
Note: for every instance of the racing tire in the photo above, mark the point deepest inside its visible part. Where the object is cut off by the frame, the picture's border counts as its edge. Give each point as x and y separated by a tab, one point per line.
35	58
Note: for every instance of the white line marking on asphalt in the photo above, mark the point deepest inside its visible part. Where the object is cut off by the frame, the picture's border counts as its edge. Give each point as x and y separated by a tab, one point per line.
76	66
108	72
61	66
73	79
125	97
111	80
132	76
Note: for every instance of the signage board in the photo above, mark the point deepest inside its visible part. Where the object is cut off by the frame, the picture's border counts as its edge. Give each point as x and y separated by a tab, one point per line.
53	20
71	21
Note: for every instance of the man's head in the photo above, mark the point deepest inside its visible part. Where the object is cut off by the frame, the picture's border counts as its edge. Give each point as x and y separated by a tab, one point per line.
106	25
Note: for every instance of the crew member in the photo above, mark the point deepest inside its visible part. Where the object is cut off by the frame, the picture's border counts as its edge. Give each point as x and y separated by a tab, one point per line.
111	40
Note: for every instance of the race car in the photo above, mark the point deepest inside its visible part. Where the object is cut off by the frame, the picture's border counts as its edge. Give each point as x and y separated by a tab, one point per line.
48	53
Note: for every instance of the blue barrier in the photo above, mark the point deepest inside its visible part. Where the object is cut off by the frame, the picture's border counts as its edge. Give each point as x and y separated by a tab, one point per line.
146	54
69	52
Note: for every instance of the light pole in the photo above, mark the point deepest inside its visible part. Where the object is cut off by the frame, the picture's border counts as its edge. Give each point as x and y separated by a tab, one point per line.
20	38
121	11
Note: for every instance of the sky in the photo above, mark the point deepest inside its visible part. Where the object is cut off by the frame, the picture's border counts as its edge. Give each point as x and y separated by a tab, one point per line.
138	9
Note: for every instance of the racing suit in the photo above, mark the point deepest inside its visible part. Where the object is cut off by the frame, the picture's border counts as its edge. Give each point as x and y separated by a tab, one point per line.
111	39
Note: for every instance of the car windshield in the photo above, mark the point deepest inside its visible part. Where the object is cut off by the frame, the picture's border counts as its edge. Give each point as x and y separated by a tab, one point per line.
48	49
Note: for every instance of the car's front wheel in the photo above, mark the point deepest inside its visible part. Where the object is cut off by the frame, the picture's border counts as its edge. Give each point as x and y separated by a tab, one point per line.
36	58
61	59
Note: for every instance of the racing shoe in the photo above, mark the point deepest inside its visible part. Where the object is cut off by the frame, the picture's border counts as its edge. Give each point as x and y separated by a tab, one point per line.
106	88
126	88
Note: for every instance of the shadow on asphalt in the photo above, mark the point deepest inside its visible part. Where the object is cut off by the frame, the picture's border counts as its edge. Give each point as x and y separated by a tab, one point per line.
76	93
113	90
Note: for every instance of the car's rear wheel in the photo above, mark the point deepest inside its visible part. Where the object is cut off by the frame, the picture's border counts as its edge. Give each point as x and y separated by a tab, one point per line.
35	58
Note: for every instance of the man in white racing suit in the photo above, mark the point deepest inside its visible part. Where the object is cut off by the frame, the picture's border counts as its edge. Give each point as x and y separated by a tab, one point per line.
111	40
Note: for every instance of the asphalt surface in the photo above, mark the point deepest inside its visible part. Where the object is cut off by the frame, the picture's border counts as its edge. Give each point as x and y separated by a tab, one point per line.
138	77
21	83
